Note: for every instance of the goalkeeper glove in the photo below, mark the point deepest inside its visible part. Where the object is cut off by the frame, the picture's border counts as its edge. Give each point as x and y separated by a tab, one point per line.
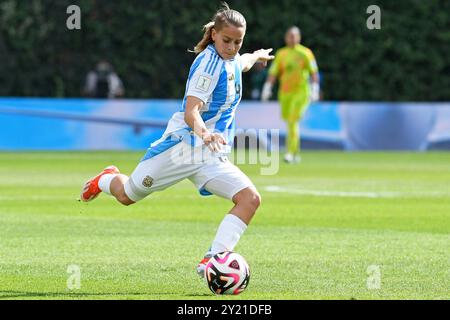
266	91
315	91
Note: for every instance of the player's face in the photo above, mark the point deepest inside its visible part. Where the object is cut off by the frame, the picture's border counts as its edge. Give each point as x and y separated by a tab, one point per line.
292	38
228	41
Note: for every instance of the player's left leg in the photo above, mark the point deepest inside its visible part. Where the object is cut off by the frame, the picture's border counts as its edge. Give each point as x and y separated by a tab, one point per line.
293	136
299	107
233	225
246	202
232	184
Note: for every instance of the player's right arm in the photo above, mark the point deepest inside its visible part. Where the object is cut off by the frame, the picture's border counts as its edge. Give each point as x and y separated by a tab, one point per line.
203	78
271	79
194	120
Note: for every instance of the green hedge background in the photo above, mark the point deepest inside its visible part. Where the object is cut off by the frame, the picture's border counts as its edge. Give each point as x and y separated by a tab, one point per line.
147	42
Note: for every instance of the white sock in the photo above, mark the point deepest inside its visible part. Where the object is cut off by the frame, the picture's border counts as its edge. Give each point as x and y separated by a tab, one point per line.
105	182
228	234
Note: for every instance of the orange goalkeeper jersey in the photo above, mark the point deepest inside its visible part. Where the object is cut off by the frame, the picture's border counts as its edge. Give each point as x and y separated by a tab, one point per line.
292	67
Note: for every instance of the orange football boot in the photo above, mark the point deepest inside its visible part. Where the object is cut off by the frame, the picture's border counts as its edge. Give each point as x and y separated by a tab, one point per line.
202	265
90	189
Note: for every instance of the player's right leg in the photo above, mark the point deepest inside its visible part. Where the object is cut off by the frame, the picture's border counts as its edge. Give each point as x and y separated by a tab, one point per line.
109	181
117	189
157	171
287	105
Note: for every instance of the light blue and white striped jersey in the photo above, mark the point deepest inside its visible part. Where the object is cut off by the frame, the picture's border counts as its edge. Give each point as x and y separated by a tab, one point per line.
218	83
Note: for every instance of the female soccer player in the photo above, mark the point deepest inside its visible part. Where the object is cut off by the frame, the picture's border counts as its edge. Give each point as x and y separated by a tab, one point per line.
194	142
293	66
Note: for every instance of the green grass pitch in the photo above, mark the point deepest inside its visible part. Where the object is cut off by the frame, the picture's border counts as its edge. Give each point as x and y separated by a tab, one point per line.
322	228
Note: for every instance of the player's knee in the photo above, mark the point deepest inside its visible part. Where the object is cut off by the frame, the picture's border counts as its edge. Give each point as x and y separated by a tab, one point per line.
123	199
252	203
249	198
255	200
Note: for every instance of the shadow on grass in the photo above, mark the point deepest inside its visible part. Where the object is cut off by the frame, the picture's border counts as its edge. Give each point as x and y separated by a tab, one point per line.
11	294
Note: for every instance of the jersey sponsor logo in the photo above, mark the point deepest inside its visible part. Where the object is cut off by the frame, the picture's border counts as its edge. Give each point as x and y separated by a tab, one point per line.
147	182
203	83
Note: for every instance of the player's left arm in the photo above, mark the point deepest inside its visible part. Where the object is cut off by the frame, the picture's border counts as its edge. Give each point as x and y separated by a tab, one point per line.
249	59
315	86
314	73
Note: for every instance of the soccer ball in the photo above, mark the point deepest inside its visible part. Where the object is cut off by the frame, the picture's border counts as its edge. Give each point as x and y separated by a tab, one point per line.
227	273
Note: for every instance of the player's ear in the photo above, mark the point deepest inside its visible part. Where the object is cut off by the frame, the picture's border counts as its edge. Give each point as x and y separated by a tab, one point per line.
213	34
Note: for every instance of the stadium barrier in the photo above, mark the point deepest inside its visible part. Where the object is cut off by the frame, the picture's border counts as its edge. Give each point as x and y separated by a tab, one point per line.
95	124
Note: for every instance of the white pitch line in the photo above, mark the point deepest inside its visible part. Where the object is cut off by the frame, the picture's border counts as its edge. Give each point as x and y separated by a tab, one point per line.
332	193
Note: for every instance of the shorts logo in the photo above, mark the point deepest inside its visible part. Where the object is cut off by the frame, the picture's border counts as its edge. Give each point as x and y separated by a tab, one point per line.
147	182
203	83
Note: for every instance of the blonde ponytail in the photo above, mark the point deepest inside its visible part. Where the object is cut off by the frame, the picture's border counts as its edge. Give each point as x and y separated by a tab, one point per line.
225	16
207	38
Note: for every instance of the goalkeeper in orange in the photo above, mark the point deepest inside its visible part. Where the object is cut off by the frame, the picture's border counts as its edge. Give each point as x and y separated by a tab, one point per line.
295	67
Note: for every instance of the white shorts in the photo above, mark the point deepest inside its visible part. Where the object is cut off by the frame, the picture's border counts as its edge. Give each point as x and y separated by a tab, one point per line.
209	173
